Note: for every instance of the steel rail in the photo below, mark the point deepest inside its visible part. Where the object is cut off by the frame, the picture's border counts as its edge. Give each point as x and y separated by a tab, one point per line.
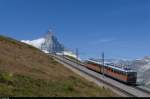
98	79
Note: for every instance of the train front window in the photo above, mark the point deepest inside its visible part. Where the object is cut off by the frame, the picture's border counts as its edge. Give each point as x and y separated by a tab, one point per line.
132	74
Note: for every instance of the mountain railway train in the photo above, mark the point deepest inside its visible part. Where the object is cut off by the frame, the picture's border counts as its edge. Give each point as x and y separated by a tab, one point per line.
125	75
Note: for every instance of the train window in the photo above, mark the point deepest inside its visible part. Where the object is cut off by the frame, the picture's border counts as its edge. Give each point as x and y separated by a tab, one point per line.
119	72
132	74
116	71
111	69
107	67
123	73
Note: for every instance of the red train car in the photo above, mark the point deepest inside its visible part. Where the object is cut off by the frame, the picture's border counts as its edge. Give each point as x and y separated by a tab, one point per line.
125	75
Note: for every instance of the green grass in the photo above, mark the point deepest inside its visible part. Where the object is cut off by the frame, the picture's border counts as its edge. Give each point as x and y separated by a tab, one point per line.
26	71
23	86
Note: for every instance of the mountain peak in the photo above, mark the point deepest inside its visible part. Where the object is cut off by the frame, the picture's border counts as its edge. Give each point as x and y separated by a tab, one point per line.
49	33
49	44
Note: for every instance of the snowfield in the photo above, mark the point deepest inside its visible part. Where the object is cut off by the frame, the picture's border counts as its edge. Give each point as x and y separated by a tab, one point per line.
36	43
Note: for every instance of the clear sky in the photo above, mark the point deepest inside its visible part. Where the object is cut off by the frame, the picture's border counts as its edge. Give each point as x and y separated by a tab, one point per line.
120	28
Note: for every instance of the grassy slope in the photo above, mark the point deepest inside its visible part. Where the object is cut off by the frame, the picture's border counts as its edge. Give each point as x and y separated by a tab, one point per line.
26	71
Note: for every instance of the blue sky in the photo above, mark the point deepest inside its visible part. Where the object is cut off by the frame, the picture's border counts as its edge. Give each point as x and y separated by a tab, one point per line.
120	28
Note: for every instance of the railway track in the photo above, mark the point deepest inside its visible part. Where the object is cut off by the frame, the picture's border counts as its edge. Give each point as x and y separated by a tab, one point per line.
146	91
129	94
100	80
135	87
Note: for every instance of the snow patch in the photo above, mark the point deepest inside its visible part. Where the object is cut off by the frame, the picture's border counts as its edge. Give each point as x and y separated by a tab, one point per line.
69	54
45	51
36	43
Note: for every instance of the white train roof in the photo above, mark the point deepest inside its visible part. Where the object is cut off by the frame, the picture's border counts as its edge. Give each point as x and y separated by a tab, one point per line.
108	64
